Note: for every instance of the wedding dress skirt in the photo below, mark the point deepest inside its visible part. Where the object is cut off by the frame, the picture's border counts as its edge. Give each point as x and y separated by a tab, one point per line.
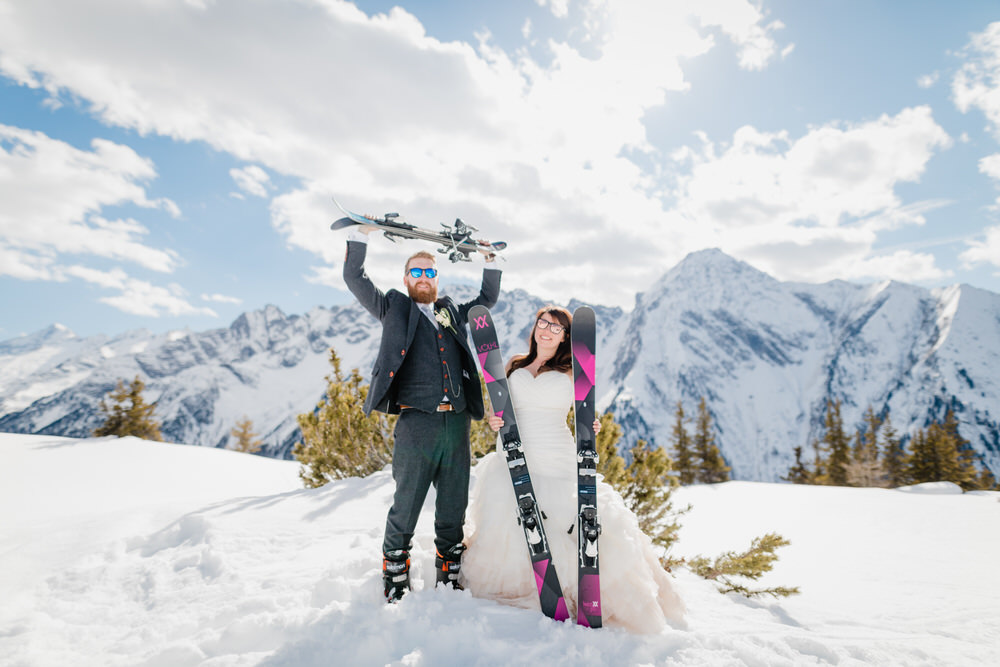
635	590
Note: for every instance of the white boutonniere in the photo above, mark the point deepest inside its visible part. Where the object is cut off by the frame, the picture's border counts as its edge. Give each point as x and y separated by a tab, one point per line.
444	319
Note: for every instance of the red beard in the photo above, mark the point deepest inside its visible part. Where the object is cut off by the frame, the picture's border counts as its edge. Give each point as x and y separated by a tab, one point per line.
426	293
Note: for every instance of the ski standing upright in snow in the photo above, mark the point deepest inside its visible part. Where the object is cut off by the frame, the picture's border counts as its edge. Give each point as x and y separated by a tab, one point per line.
484	338
584	346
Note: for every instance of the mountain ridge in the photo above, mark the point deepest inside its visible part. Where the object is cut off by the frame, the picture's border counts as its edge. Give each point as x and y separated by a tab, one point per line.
765	354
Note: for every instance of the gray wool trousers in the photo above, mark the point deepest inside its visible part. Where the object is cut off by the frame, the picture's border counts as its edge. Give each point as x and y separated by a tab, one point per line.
429	448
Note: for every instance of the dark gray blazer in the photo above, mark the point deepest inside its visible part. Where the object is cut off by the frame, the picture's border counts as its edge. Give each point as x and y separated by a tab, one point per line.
399	316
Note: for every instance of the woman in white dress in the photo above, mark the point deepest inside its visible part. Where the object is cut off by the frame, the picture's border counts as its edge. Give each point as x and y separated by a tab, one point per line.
635	590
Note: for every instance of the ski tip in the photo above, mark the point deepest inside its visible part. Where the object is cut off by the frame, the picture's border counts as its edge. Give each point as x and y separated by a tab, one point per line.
584	315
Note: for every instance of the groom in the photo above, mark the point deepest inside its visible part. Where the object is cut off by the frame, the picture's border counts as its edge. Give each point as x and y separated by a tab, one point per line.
426	373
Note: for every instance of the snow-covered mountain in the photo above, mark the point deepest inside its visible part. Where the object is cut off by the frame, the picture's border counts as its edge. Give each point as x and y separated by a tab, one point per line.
765	355
267	366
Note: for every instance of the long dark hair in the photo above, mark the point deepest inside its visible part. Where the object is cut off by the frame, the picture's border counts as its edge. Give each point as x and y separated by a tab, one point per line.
562	360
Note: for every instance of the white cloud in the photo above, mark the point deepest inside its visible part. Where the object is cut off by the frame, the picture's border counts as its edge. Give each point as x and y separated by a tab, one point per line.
552	157
770	197
986	251
142	298
252	180
559	8
743	22
52	194
221	298
977	83
928	80
990	165
138	297
51	219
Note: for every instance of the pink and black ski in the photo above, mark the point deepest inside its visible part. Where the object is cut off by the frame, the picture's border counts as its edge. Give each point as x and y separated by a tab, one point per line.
584	340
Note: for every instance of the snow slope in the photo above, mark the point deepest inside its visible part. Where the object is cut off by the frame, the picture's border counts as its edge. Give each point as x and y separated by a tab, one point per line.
127	552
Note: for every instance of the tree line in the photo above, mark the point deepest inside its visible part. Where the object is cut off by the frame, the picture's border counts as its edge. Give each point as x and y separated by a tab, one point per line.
338	441
877	456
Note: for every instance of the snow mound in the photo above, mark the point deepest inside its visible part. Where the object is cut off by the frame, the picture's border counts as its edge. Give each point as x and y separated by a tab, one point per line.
933	488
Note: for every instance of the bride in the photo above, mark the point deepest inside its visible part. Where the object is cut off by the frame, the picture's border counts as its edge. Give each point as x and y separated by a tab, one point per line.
635	590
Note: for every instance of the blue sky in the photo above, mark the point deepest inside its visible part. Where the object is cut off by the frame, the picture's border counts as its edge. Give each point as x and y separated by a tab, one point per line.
171	164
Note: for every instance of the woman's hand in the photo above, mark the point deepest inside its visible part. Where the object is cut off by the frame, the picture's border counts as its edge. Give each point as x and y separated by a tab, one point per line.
496	423
597	426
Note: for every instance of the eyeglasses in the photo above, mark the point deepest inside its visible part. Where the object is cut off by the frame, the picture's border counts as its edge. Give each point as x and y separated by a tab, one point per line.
551	326
416	272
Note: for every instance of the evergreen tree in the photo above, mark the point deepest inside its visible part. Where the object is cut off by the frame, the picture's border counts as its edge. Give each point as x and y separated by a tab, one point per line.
610	464
684	462
835	441
128	413
935	457
820	472
711	466
866	468
750	564
940	453
966	473
893	456
986	481
645	484
246	439
798	473
648	482
921	463
482	438
338	440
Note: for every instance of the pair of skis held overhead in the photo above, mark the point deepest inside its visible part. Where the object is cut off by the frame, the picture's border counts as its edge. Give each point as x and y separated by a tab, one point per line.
458	244
550	593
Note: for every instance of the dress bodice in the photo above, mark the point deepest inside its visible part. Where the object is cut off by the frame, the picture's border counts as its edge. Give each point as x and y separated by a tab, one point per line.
541	405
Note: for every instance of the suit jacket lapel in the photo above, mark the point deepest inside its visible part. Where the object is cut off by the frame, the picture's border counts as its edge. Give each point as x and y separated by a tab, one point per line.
411	325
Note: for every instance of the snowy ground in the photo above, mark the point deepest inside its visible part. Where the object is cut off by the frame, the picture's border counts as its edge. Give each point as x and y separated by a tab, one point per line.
126	552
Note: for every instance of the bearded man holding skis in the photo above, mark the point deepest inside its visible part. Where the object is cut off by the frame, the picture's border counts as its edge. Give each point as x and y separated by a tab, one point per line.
425	373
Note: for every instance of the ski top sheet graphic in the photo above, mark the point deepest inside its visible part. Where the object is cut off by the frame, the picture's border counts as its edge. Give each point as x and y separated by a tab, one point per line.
584	347
484	338
456	240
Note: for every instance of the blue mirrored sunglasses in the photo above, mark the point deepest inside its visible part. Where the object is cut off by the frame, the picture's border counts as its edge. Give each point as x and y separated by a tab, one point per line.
417	272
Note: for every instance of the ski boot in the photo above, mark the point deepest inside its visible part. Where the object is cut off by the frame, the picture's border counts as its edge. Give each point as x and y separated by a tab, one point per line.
448	565
396	574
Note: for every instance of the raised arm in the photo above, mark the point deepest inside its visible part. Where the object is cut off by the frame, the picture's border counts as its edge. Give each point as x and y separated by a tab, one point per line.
489	292
361	286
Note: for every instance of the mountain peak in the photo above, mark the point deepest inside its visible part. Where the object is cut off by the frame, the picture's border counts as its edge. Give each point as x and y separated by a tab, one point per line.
52	334
715	264
711	274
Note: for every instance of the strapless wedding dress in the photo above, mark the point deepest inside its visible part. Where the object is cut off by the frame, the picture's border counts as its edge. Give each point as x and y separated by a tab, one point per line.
636	593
